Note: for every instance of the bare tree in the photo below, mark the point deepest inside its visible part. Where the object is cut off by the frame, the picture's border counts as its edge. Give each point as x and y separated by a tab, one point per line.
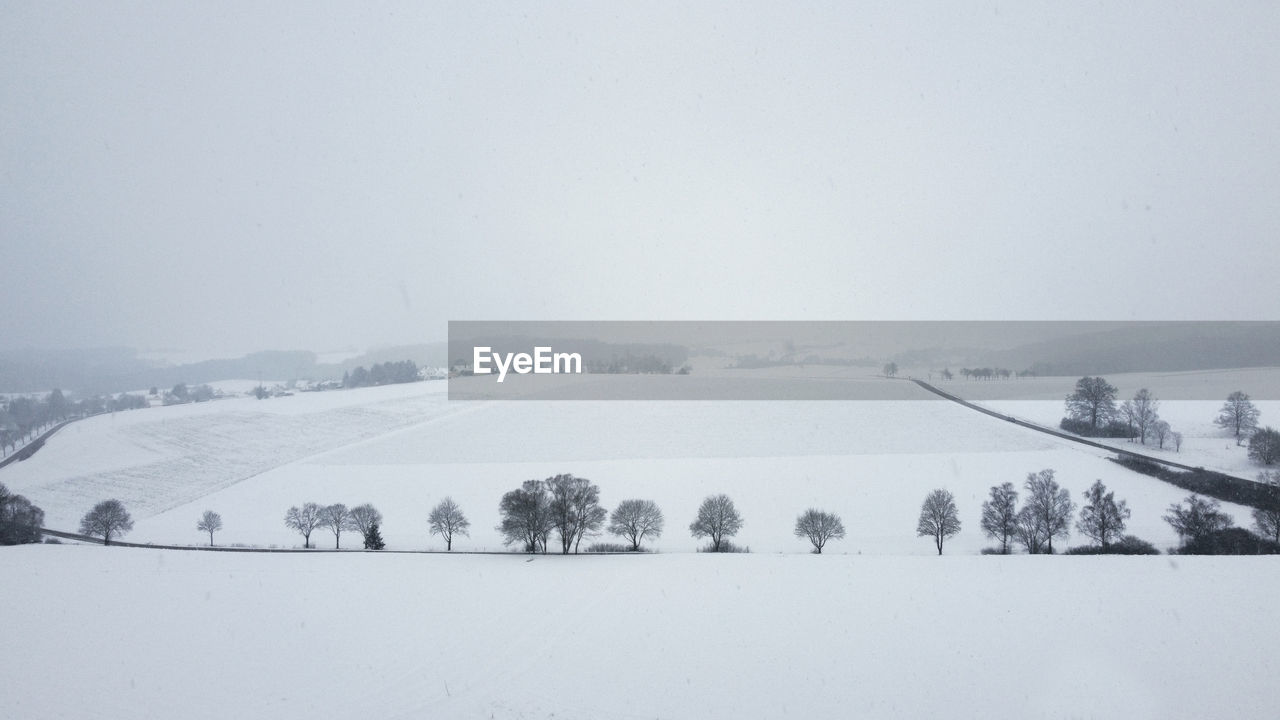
305	520
1030	532
717	519
1239	415
1177	441
1161	432
1141	413
1000	515
938	517
575	509
1267	519
337	518
210	522
1199	518
1264	445
526	516
891	369
107	519
1102	518
447	520
363	518
819	527
1049	509
1094	400
634	519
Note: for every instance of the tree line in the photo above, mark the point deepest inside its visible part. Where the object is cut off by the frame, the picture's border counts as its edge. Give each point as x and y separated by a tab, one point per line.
26	416
1201	525
387	373
1092	411
564	509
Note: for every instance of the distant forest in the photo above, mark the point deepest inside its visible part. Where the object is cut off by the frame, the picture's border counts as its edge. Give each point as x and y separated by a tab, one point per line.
388	373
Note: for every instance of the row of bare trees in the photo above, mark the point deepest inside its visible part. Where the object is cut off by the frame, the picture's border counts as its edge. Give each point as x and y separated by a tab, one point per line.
567	509
1047	514
337	518
446	520
984	373
24	417
1092	410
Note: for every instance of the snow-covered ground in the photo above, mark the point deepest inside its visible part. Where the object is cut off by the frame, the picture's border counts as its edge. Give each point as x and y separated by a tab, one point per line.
403	448
123	633
861	631
1182	405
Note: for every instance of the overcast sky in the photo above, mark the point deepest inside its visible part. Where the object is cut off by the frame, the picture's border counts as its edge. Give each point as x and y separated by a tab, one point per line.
228	177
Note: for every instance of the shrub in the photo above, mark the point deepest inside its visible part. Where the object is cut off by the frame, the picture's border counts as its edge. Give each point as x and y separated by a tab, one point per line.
1231	541
725	547
608	547
994	551
1113	429
1127	545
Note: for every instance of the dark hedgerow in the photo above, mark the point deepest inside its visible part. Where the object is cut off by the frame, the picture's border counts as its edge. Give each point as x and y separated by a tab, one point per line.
1231	541
1113	429
725	547
1127	545
1206	482
608	547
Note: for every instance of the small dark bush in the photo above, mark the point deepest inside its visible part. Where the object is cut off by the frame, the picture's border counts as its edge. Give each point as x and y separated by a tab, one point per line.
608	547
1128	545
1112	429
1232	541
725	547
52	541
993	551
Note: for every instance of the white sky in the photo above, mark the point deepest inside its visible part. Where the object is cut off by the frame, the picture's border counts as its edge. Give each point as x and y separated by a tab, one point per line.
241	176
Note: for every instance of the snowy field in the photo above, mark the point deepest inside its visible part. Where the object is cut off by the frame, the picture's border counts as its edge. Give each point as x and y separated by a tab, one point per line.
123	633
875	627
1189	402
403	448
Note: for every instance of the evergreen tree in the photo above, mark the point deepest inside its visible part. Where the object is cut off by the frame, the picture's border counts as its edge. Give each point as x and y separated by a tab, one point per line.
373	541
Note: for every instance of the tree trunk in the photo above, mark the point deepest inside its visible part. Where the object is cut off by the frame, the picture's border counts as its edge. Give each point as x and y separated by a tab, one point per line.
210	538
448	544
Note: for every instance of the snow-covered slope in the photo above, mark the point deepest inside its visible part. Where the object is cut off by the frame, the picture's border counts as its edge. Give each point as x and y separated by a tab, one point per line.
403	448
